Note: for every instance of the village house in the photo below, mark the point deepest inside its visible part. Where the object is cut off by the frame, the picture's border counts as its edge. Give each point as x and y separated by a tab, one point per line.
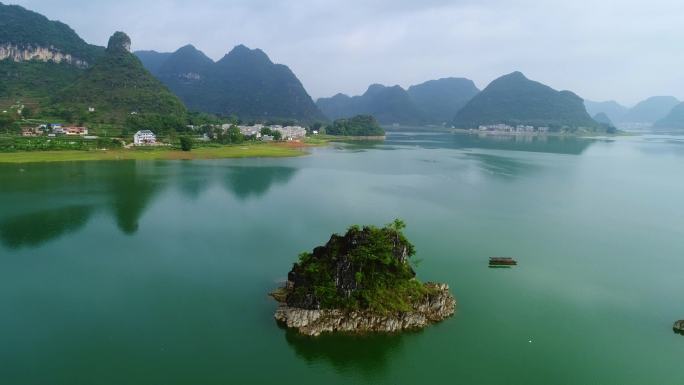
72	131
254	130
291	132
144	138
30	132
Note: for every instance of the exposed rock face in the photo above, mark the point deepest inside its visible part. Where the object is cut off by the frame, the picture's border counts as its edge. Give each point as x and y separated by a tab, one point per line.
45	54
679	327
433	308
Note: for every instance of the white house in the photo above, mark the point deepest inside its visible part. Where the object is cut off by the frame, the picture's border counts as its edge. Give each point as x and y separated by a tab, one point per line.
144	137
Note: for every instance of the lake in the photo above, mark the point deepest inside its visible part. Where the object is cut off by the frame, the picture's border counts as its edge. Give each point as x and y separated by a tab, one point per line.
158	272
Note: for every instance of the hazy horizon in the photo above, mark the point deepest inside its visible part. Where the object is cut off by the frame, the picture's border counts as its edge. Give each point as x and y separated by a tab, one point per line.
591	49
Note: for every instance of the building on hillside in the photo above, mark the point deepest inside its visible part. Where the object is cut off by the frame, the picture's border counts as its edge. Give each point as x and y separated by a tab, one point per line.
267	138
144	138
75	131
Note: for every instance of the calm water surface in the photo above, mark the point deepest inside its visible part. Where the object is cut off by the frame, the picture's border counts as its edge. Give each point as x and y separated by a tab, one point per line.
157	272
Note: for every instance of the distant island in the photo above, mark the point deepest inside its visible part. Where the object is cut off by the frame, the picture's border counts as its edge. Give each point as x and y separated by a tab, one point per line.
358	126
361	282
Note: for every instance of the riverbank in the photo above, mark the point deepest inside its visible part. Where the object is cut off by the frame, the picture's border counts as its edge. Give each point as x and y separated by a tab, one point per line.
251	150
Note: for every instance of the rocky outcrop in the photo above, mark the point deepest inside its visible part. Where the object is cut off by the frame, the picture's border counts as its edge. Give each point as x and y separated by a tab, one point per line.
119	42
44	54
434	307
679	327
337	257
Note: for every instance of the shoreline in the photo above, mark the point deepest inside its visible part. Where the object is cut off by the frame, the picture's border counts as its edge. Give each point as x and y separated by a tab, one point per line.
250	150
287	149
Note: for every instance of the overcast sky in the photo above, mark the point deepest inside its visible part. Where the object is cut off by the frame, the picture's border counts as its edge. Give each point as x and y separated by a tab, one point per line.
624	50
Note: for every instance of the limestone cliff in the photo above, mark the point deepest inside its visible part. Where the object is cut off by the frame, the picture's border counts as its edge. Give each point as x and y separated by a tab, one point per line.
44	54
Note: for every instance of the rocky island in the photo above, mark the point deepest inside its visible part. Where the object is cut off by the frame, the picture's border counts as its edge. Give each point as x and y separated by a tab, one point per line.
678	327
361	282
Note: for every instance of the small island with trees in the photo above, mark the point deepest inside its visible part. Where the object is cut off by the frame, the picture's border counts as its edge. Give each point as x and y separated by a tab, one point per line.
361	126
361	282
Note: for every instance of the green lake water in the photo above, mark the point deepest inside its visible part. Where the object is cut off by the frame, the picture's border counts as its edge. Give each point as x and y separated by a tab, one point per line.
158	272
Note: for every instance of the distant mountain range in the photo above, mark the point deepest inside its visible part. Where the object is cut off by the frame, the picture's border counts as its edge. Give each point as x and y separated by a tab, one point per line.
612	109
646	112
244	83
46	65
515	100
674	119
432	102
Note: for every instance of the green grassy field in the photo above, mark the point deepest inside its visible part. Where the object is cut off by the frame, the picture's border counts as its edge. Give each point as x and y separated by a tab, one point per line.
267	150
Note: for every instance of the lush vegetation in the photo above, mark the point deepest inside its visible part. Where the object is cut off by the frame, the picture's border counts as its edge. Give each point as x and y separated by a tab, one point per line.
367	268
33	82
513	99
361	125
118	85
244	83
63	143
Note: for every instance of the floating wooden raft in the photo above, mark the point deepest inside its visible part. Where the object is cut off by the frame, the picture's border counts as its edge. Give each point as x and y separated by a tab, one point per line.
502	262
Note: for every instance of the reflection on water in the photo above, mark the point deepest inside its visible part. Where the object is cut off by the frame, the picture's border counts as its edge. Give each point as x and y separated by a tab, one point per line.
368	355
502	166
47	201
41	226
132	188
246	182
530	143
60	198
